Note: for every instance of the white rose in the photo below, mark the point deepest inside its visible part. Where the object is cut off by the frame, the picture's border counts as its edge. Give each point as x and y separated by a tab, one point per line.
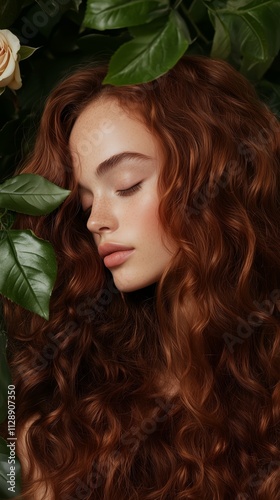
9	66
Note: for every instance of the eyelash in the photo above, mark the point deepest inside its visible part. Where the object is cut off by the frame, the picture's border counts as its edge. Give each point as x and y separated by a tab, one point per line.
121	192
129	191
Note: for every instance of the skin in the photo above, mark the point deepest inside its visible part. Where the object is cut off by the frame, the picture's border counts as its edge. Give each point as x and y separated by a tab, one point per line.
128	218
121	202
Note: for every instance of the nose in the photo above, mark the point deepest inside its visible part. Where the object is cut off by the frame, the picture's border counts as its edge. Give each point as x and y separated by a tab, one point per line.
102	218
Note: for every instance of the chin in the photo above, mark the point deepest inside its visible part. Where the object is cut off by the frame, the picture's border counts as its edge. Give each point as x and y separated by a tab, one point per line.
127	287
133	286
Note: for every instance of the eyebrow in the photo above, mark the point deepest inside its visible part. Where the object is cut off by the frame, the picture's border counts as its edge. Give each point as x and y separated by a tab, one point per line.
116	159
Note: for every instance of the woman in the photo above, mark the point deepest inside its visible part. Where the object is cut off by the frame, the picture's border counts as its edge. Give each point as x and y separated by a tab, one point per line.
157	376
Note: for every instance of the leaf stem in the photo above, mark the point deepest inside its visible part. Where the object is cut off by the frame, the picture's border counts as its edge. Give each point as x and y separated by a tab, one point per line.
177	4
193	23
2	226
2	214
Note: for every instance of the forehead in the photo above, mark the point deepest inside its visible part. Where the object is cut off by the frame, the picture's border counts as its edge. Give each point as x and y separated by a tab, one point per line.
106	128
105	116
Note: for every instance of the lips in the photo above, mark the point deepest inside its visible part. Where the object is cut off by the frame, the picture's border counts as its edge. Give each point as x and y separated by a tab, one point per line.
108	248
113	254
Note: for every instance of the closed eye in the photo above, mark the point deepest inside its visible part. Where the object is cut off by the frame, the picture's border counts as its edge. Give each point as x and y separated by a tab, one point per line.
129	191
120	192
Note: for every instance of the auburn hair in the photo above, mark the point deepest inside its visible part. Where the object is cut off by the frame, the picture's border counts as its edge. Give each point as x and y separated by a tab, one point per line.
93	378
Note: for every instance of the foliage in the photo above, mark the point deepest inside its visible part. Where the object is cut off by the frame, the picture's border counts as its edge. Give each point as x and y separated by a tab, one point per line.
141	40
27	278
29	265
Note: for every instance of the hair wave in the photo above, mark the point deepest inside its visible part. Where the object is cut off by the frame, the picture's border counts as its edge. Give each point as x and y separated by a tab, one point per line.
94	376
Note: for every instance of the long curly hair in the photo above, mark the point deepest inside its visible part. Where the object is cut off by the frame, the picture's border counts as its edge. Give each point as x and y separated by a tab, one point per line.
173	391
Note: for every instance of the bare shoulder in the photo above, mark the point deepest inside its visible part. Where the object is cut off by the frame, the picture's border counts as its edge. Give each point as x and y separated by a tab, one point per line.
28	465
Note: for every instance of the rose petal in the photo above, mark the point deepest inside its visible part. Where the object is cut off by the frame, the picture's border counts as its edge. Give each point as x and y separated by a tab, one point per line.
3	45
16	83
4	59
8	73
13	42
9	67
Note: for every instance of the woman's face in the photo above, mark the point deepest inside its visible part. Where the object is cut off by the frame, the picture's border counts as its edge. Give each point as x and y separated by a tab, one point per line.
117	162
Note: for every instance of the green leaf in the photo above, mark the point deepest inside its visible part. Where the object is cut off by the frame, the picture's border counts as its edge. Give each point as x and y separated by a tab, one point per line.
28	270
111	14
197	11
5	377
25	52
6	219
253	29
156	48
221	45
31	194
6	453
254	68
239	4
260	33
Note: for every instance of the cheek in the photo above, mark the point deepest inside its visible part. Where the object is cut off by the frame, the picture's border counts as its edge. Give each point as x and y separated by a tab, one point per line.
148	216
151	226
